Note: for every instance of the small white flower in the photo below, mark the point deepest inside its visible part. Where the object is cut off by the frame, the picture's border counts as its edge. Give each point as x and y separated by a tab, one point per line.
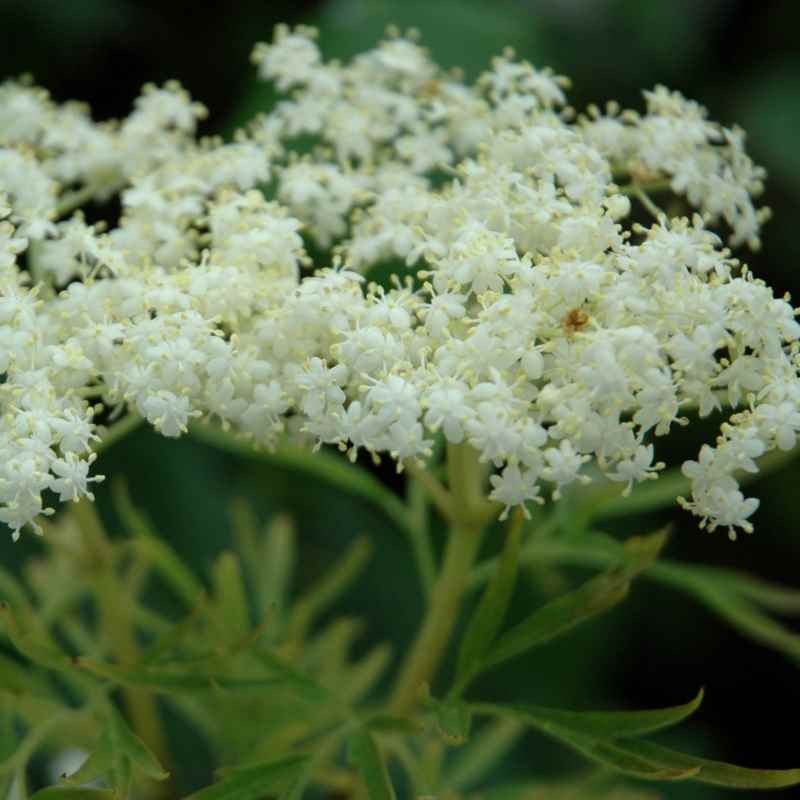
528	311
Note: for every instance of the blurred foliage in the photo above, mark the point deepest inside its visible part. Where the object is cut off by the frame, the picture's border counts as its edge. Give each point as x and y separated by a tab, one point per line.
737	58
275	693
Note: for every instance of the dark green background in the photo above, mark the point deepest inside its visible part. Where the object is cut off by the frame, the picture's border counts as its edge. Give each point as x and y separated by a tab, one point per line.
741	59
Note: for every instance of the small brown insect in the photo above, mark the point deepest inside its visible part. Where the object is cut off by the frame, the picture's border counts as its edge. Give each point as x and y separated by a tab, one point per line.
574	320
430	88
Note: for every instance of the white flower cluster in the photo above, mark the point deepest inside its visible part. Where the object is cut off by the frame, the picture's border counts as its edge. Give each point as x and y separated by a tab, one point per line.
527	319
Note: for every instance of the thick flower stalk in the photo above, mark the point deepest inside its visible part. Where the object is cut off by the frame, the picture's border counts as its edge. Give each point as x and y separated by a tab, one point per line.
530	319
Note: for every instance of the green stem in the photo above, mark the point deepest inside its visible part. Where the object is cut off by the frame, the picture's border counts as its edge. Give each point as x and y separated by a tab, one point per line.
119	430
651	187
651	207
439	496
72	200
37	276
426	653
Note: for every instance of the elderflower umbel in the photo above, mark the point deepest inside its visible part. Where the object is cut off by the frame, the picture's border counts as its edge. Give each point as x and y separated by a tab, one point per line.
529	321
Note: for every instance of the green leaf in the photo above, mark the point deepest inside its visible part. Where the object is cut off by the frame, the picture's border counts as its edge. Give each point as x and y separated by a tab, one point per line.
230	597
118	753
167	680
490	613
359	678
174	635
322	465
723	593
452	718
602	737
154	549
279	558
595	596
99	763
12	591
604	724
695	578
750	621
365	756
622	758
607	753
735	596
9	735
647	760
170	566
386	723
767	594
129	746
329	588
255	781
596	786
33	643
485	749
715	772
299	683
17	678
73	793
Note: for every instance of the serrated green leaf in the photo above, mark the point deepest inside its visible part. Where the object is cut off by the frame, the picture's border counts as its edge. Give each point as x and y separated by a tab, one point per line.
641	552
696	578
279	559
364	755
230	597
361	677
12	591
327	590
604	724
255	781
555	618
767	594
170	566
30	641
328	652
600	740
163	679
452	718
118	752
735	596
163	559
721	593
595	596
99	763
73	793
596	787
386	723
301	684
716	773
129	746
174	635
490	613
621	758
16	678
752	622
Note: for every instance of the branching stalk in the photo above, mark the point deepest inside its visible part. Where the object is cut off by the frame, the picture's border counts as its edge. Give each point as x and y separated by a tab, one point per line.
462	546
